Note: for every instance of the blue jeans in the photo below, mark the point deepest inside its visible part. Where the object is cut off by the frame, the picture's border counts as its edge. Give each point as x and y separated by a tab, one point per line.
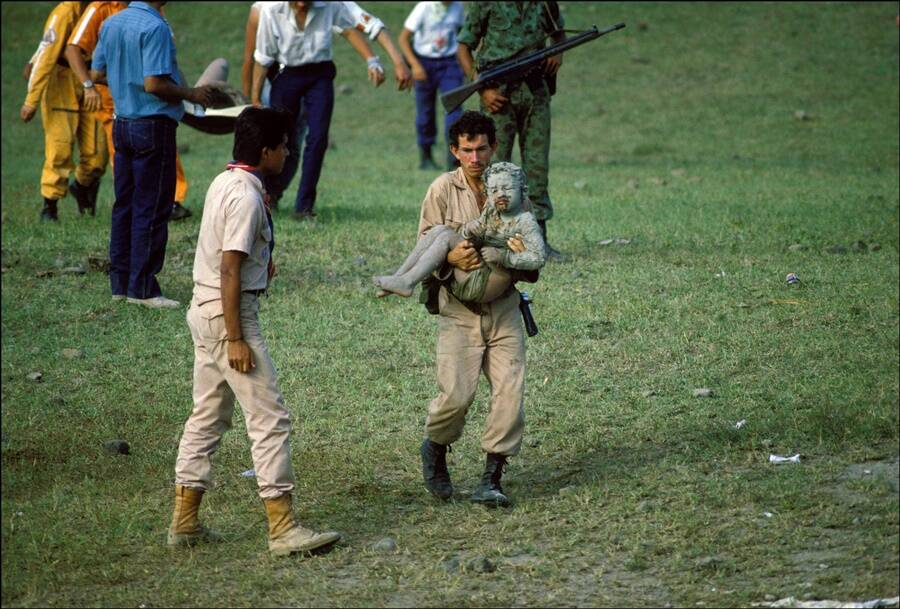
443	74
145	190
309	90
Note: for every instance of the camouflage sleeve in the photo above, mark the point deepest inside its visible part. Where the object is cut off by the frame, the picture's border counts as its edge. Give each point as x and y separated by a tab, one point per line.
534	255
473	28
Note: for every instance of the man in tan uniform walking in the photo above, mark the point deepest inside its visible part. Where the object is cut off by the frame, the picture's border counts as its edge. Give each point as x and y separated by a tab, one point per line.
473	337
232	267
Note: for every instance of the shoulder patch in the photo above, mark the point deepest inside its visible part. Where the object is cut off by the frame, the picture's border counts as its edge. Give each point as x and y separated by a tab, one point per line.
49	36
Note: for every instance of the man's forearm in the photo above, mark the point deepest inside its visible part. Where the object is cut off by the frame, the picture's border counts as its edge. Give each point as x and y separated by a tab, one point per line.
166	89
231	301
259	75
466	61
384	39
77	63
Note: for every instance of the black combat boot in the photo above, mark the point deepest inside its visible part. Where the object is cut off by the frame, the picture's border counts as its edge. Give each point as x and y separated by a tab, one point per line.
93	190
425	160
81	194
489	491
551	253
434	469
49	211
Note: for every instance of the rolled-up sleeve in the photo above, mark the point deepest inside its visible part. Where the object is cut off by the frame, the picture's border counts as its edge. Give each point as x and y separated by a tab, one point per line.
366	23
266	42
346	16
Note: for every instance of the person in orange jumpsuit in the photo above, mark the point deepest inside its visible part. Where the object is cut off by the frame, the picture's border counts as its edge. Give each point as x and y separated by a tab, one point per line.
97	99
53	86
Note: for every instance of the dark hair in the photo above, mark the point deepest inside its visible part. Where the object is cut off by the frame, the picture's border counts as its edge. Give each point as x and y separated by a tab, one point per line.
473	123
258	128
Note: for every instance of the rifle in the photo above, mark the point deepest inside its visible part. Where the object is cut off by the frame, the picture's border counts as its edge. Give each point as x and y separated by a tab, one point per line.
516	69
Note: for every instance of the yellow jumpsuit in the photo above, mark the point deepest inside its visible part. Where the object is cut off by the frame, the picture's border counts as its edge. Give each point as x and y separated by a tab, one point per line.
56	89
86	35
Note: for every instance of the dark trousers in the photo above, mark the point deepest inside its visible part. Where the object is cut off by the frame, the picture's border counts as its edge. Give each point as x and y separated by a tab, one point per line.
443	74
145	189
304	90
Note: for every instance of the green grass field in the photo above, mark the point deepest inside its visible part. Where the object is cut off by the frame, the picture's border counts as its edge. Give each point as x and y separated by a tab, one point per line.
714	137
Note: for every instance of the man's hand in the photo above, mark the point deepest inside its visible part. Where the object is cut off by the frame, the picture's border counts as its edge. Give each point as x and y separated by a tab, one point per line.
204	95
376	74
464	257
27	112
493	100
552	64
26	71
492	255
91	100
240	357
418	73
402	76
515	244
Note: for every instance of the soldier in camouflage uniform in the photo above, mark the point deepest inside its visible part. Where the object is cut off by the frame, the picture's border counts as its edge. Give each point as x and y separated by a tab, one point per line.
505	30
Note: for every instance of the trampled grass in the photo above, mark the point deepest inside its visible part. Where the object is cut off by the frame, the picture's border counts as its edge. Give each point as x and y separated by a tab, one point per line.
681	134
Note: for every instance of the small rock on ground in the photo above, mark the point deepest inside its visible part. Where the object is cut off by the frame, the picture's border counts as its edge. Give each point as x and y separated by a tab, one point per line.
35	376
385	545
703	392
117	447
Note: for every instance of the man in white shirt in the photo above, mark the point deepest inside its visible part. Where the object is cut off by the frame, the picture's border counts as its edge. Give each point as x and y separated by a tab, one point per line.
232	267
297	36
433	27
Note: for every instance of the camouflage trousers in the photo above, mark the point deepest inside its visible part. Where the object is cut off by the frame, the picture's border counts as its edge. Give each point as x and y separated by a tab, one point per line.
527	114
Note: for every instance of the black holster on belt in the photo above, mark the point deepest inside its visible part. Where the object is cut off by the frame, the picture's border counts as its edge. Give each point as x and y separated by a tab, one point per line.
431	286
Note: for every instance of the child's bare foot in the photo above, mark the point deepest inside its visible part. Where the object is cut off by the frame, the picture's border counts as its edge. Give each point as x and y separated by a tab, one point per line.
392	284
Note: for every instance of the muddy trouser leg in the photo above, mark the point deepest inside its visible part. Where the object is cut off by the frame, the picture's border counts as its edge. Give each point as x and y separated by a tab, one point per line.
460	351
504	367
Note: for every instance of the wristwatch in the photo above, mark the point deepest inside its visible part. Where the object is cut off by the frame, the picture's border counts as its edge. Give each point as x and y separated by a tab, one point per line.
88	84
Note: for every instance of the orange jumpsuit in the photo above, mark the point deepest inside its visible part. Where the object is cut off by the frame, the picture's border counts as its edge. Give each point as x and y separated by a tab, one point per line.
85	36
54	87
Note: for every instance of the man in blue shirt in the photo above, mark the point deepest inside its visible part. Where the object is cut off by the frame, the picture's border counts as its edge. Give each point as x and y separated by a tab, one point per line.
136	56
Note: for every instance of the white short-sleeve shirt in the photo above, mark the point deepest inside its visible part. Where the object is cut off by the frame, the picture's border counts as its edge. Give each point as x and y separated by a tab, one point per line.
234	219
278	39
367	23
434	27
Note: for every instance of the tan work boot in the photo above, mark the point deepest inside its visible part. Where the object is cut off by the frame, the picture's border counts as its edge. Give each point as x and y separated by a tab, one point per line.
186	529
286	536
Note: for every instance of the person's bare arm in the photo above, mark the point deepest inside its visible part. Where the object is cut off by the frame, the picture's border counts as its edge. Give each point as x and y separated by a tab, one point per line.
164	87
359	44
418	72
491	98
259	76
249	46
240	357
91	100
401	71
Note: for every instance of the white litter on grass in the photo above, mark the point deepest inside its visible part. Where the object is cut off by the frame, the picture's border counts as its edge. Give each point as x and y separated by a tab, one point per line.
778	459
740	423
250	473
791	601
768	514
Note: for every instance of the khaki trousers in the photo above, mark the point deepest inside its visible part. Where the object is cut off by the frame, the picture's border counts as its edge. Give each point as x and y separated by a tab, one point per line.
468	344
215	387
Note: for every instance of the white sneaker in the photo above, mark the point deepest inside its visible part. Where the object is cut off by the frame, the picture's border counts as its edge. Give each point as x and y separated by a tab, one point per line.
118	296
157	302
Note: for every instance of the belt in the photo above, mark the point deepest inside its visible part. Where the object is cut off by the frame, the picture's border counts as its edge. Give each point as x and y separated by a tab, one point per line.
256	293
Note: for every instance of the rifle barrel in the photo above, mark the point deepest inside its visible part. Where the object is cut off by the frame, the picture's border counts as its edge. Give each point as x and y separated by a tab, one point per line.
455	97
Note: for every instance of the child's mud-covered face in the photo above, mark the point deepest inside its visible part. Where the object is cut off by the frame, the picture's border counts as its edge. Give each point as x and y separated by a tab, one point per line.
504	190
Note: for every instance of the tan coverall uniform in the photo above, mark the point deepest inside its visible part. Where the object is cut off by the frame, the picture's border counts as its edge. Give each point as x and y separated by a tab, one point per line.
85	36
54	87
492	341
234	219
